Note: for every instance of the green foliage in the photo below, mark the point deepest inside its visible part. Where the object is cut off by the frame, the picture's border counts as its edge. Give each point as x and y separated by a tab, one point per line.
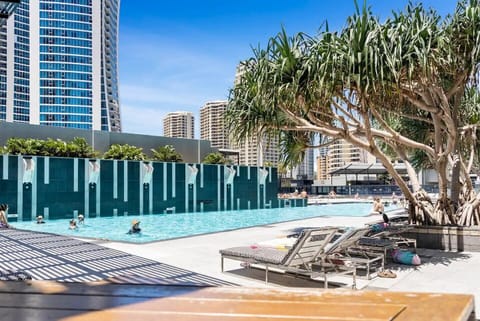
78	147
216	158
412	66
396	89
22	146
166	153
124	152
81	148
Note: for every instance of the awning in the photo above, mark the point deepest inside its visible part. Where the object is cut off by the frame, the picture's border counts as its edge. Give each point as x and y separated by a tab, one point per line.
364	168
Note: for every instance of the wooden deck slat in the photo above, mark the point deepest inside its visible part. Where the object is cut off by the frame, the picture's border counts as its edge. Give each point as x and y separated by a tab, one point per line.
133	315
40	300
199	306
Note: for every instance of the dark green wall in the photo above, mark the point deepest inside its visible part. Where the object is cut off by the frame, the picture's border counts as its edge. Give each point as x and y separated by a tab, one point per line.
63	187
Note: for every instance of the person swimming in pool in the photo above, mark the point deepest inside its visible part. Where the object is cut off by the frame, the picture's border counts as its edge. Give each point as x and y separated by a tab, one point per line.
73	224
81	219
135	229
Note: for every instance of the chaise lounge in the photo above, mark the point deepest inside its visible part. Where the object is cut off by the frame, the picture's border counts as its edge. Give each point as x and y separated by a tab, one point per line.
306	257
347	249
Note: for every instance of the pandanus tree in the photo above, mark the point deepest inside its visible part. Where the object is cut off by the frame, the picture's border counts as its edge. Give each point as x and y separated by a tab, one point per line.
398	89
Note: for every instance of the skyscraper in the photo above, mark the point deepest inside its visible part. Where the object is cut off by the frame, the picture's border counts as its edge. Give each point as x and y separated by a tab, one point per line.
61	64
258	151
180	124
212	123
7	7
306	167
338	154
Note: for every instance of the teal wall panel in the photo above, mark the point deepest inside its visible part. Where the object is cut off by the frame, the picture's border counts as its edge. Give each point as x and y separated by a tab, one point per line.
66	187
56	195
8	182
206	188
133	203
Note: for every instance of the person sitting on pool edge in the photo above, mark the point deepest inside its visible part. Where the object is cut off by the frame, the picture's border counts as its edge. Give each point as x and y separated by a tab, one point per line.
304	194
135	227
3	216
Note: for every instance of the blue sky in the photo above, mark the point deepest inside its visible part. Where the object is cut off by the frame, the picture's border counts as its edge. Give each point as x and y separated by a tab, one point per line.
177	55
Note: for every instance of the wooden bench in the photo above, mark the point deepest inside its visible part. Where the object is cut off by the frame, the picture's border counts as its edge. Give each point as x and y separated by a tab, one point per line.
45	300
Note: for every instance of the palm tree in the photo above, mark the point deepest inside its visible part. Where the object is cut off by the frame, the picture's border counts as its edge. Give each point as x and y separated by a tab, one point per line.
125	152
216	158
79	147
22	146
53	147
364	84
166	153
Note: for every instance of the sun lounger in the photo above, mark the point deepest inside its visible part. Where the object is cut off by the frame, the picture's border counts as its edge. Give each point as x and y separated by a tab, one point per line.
346	249
382	241
341	250
374	246
394	233
305	257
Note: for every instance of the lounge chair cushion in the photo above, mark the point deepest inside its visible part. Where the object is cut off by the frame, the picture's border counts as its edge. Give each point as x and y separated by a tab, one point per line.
259	254
371	241
283	243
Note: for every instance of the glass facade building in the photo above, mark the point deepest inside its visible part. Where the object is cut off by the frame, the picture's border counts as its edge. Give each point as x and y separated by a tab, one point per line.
61	64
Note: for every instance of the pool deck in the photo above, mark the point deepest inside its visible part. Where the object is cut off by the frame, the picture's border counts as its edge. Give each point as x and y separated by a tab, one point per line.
199	258
442	272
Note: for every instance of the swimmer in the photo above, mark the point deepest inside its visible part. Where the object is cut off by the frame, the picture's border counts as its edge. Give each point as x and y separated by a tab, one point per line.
73	224
135	229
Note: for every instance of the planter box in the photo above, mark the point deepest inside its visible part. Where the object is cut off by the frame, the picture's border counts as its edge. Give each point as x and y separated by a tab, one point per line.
447	238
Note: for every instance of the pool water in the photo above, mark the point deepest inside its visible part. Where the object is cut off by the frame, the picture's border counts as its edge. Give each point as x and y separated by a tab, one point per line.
167	226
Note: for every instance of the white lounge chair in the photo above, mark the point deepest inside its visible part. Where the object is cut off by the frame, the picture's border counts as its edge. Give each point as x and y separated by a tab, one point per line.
306	257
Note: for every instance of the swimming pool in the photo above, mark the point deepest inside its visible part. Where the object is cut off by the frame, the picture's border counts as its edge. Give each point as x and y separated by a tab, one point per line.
167	226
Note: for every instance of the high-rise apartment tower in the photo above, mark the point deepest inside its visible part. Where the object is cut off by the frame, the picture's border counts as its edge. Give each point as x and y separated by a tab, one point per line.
339	154
180	124
7	7
306	167
58	64
212	124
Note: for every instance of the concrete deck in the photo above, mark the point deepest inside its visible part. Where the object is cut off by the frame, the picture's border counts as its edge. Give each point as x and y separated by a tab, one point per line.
442	272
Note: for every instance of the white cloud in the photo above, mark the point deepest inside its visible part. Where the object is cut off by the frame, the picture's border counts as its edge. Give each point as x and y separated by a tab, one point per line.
155	97
142	120
159	75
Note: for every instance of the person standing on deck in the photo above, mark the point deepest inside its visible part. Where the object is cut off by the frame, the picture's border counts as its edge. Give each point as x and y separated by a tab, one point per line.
379	208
